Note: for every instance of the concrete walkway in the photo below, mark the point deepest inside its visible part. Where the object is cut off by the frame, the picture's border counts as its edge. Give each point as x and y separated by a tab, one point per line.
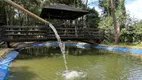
4	51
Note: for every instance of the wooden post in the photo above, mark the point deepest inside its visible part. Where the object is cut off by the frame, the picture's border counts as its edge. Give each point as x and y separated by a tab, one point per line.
8	44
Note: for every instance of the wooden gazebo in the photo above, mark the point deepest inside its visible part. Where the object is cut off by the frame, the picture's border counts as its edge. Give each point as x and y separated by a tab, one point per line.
62	11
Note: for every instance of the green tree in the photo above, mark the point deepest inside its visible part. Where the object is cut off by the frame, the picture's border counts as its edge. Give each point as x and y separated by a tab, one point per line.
92	18
16	17
116	9
116	28
2	13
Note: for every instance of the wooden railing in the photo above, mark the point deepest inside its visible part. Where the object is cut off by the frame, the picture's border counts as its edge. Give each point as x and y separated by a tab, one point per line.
43	33
0	35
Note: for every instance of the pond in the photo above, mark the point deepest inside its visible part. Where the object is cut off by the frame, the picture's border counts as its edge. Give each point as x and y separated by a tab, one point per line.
47	64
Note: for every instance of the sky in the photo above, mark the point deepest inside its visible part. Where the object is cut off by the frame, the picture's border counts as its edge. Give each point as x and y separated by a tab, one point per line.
133	7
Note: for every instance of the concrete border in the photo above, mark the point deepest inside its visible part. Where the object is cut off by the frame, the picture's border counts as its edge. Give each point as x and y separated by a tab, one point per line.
120	49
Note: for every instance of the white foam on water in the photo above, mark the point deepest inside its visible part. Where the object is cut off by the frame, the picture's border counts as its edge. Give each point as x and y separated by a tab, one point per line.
70	75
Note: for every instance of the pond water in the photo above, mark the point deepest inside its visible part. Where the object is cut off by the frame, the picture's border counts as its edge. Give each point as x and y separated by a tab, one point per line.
47	64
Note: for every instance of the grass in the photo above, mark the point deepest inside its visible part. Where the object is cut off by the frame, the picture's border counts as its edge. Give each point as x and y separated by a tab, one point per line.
129	45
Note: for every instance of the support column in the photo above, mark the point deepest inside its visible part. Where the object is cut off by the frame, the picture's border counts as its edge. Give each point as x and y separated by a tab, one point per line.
8	44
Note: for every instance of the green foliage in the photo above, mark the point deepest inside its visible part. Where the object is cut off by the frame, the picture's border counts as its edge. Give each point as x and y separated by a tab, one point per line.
2	13
16	17
138	28
76	3
106	6
93	18
106	24
131	31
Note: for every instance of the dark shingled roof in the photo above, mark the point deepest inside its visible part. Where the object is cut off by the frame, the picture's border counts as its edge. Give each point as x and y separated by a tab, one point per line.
62	11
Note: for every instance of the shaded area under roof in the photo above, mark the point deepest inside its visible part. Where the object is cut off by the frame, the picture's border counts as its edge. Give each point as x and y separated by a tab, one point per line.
62	11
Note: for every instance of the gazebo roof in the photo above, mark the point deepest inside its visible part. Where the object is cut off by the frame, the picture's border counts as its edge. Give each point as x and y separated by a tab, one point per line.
62	11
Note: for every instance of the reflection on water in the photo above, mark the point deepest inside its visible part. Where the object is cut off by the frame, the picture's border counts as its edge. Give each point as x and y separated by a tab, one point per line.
47	64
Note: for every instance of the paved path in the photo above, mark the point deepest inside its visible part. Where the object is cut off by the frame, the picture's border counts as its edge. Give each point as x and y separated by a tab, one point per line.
4	51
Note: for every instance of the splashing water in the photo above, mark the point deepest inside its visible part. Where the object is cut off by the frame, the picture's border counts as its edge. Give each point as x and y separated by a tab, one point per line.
67	74
71	75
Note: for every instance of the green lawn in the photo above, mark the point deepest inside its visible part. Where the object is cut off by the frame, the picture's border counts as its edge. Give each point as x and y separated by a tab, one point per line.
130	45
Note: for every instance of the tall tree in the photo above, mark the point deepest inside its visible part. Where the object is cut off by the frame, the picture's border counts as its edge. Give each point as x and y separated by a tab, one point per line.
16	17
114	21
92	19
2	13
114	8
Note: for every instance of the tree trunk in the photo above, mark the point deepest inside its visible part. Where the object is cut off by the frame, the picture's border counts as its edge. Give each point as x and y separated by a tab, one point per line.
118	32
85	17
114	22
86	3
6	13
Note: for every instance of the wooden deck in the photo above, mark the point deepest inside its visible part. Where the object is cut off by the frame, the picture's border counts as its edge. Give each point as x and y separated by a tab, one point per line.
45	33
